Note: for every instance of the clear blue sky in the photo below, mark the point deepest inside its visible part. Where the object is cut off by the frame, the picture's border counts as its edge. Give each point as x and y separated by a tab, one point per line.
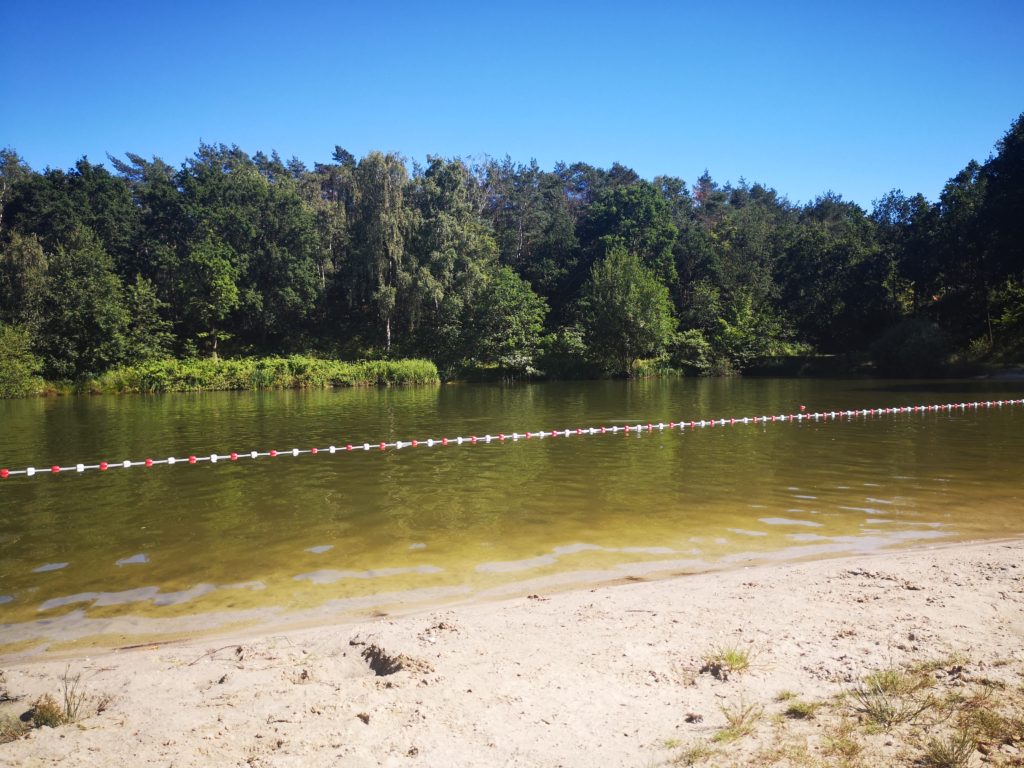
857	98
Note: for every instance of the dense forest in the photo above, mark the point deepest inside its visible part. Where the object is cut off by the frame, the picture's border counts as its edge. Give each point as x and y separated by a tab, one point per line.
496	266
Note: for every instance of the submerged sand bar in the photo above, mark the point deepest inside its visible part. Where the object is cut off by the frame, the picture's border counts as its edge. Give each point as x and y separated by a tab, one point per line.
613	675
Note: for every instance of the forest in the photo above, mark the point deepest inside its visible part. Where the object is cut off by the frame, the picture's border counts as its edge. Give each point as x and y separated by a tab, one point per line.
496	268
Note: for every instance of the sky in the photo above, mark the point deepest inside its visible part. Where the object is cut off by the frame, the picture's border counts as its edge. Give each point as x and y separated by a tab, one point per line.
856	98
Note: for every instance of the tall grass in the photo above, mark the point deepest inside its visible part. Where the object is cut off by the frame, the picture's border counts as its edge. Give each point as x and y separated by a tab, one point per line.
295	372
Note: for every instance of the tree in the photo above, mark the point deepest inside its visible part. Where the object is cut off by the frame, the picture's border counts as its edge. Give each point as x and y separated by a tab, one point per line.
635	217
450	252
383	270
12	170
507	324
23	266
84	315
19	368
209	281
148	335
626	312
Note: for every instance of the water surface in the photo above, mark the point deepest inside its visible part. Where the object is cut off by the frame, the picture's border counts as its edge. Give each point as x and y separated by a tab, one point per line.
170	549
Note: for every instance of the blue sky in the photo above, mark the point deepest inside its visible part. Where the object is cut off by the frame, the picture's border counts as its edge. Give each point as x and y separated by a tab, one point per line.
857	98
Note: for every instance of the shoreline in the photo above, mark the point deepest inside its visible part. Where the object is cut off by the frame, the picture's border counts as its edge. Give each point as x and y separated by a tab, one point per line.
129	631
614	674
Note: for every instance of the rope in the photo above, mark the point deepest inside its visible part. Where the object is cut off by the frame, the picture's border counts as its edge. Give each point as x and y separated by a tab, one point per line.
234	456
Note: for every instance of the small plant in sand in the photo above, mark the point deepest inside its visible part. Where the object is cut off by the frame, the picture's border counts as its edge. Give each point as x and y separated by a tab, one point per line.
73	694
11	729
801	710
953	751
692	755
49	712
741	720
725	660
892	696
841	742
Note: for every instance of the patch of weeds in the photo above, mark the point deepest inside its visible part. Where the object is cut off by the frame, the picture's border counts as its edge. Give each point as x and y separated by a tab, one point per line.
692	755
801	710
74	696
741	720
785	696
953	751
841	741
46	711
11	729
671	743
49	712
954	663
783	753
725	660
990	725
892	696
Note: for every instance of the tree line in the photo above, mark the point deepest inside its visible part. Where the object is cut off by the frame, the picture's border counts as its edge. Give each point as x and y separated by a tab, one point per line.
496	265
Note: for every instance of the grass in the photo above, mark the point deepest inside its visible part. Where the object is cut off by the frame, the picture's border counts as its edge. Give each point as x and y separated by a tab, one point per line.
841	742
932	714
741	721
953	751
725	660
801	710
692	755
73	694
11	729
48	711
892	696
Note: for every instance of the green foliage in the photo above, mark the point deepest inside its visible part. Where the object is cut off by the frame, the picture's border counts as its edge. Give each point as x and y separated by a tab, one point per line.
626	313
208	280
202	374
84	316
508	322
1008	320
692	352
148	336
19	368
746	333
252	256
23	266
564	355
915	347
636	218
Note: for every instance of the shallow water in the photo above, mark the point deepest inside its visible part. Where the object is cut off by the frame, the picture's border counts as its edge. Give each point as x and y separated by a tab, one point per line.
167	549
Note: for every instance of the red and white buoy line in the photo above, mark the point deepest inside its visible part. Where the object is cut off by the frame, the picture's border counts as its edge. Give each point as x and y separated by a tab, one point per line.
234	456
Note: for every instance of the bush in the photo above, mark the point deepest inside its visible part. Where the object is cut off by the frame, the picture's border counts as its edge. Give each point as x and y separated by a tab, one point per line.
692	352
564	356
204	374
915	347
18	366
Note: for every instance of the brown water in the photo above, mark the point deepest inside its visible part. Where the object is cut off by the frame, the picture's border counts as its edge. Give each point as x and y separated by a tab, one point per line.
129	554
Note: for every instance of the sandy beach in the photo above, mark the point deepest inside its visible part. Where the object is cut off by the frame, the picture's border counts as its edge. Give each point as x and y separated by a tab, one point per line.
888	659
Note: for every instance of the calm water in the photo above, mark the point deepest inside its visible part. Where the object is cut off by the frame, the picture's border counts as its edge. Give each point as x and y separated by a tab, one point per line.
133	554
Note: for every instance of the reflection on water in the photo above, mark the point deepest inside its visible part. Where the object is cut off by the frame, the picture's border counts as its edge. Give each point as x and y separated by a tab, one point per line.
148	550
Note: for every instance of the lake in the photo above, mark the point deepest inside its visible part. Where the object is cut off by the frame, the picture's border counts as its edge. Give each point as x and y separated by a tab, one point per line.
110	558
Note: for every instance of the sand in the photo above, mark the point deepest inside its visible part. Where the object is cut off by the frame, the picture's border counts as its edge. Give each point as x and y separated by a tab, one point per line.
610	676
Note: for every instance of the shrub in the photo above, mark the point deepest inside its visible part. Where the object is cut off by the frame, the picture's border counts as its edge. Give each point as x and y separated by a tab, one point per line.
202	374
18	366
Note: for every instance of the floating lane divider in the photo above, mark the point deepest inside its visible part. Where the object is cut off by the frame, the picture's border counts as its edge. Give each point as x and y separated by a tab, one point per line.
235	456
